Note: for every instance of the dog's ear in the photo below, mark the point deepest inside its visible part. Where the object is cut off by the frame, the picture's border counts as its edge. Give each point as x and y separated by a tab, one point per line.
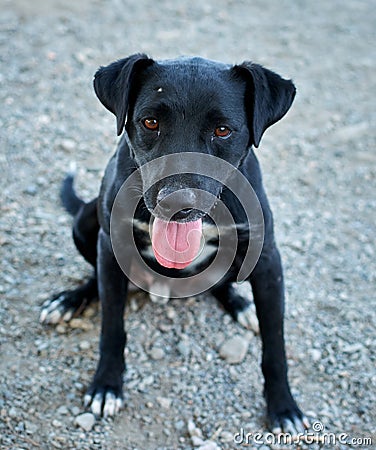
113	84
268	98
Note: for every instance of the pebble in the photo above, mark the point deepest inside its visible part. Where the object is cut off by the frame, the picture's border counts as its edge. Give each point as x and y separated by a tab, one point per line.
164	402
184	348
157	353
147	381
352	348
81	324
61	328
56	423
12	413
85	345
31	427
234	350
62	410
85	421
171	313
67	145
315	354
193	430
197	441
75	410
227	436
89	312
179	425
31	190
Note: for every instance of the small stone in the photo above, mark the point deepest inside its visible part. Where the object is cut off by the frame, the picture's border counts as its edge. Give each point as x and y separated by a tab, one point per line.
30	427
85	345
147	381
193	430
352	348
81	324
197	441
226	319
89	313
165	327
85	421
227	436
157	353
31	190
62	410
61	328
164	402
80	57
315	354
13	413
75	410
171	313
184	348
67	145
234	350
57	423
179	425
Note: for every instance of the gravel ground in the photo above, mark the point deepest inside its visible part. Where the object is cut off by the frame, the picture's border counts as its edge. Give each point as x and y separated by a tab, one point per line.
319	170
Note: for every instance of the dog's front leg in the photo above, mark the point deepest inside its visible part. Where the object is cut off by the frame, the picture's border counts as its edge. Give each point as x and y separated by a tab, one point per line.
268	292
105	395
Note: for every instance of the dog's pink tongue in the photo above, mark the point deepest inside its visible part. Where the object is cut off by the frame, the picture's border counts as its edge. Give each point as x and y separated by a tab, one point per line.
176	244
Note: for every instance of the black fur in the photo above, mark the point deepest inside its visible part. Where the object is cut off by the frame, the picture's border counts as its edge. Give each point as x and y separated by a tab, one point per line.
71	202
190	98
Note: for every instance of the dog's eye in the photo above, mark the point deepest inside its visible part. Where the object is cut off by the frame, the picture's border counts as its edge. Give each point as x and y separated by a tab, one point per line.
151	124
222	132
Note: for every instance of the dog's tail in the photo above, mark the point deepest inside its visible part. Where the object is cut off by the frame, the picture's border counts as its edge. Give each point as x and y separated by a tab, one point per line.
71	202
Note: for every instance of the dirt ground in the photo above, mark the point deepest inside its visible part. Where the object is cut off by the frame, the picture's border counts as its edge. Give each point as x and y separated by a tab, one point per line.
319	166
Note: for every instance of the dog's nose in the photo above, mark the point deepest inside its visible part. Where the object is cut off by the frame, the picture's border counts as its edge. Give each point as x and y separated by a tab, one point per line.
175	205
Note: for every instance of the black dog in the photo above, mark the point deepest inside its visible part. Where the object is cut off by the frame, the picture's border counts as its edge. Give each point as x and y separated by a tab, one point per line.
183	106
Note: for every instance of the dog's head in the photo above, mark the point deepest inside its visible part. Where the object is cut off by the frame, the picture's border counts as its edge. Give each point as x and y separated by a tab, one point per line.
189	106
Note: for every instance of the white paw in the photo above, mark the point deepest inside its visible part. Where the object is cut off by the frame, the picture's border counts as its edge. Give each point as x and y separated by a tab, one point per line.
293	426
54	311
104	403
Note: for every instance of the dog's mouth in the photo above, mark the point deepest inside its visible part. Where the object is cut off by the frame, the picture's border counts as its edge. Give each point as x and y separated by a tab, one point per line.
176	244
176	234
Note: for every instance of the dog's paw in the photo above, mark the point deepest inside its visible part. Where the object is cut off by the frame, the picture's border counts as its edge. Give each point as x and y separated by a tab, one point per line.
104	401
248	319
57	309
291	421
